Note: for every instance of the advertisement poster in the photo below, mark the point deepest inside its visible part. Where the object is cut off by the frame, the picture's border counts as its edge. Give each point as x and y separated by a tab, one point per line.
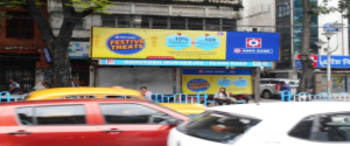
253	46
79	50
236	81
131	43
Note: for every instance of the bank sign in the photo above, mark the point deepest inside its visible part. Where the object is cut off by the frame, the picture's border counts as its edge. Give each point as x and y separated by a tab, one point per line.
322	62
252	46
160	44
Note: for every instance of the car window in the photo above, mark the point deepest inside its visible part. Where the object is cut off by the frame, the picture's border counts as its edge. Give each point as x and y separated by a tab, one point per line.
303	128
324	128
264	82
334	127
218	127
132	114
25	115
57	115
52	115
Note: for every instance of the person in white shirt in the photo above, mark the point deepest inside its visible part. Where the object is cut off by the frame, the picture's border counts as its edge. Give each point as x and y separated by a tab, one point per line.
222	97
146	93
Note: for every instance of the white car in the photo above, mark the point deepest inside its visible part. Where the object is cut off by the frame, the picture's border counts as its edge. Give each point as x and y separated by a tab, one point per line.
268	124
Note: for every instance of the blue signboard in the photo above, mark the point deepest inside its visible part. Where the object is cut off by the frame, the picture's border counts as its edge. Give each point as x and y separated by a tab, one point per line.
252	46
141	62
217	72
336	62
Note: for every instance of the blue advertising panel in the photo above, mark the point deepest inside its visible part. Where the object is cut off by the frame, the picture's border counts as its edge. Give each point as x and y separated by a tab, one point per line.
321	62
252	46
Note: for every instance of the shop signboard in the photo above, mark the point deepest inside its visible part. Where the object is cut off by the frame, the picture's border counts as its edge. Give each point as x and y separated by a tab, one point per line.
131	43
253	46
236	81
321	62
204	63
78	50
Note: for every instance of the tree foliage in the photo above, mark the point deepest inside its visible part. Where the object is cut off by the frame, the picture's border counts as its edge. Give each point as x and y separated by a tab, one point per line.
315	9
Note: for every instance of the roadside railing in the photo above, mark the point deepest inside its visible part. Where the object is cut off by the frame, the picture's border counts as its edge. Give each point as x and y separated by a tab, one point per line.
199	98
287	96
5	96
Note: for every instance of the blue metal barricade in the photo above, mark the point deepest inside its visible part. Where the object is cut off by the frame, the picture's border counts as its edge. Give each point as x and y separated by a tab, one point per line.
286	96
5	95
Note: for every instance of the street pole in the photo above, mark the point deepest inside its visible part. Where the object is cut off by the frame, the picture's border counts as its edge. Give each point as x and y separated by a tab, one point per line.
329	82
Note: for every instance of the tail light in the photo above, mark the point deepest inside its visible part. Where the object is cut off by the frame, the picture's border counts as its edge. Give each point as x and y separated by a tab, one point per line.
277	87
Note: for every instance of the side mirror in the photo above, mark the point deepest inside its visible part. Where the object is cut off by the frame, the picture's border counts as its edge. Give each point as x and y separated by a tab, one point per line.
172	121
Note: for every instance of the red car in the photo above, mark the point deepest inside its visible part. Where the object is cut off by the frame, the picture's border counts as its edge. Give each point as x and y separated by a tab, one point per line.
85	122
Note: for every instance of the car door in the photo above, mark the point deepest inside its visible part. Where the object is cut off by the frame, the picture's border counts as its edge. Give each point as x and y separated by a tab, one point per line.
130	124
53	125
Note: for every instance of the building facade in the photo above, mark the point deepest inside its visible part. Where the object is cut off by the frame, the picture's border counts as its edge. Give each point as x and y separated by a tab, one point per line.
21	48
170	15
258	16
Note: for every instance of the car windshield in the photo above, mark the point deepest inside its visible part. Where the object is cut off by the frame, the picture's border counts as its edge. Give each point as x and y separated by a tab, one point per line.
218	126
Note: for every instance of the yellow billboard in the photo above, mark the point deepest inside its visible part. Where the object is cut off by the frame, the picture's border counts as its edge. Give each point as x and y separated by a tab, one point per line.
132	43
211	80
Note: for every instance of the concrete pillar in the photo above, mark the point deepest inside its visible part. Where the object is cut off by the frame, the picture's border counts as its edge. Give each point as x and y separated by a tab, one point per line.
256	84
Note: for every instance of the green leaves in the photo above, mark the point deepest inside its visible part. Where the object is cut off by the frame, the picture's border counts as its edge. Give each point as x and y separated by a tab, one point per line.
97	5
12	3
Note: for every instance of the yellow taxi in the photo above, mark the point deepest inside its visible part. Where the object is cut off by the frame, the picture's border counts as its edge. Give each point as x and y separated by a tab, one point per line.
104	92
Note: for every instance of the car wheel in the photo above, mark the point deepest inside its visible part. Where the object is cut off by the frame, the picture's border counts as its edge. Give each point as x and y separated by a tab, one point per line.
266	94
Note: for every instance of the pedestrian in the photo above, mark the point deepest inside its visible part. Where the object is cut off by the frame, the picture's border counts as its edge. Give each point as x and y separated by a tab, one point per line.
222	97
146	93
75	83
285	87
14	87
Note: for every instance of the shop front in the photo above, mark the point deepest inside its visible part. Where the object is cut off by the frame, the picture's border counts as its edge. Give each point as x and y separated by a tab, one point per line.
181	61
340	77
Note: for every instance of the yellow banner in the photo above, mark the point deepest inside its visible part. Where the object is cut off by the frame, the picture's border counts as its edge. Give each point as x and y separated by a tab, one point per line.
130	43
234	84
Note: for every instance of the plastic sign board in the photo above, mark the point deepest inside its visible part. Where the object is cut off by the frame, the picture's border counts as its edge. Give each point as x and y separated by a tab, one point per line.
131	43
253	46
322	62
236	81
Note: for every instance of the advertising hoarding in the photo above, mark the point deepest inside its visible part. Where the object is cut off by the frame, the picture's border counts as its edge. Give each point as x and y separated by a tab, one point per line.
236	81
130	43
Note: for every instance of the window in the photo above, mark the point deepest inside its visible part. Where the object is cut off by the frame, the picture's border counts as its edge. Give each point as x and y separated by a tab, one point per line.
58	115
145	22
212	24
178	23
52	115
131	114
195	24
124	21
160	22
303	128
334	127
324	128
19	25
217	126
228	25
25	116
79	25
108	20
